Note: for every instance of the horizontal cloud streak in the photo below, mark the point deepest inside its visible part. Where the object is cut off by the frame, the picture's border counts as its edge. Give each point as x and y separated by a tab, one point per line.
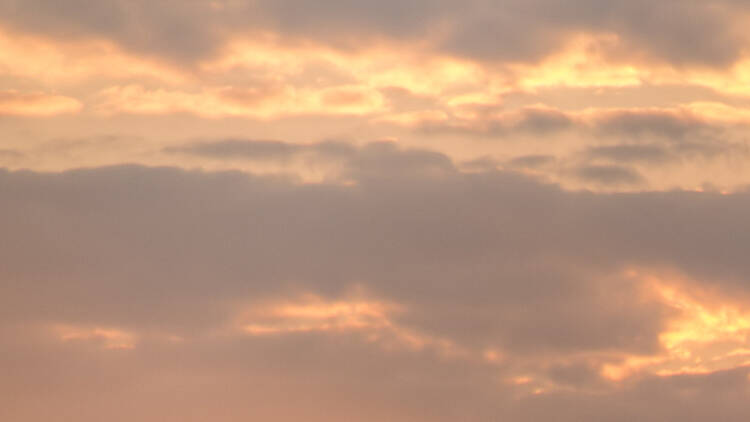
36	104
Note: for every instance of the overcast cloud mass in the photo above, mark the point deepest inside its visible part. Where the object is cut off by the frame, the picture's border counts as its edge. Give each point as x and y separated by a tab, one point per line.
420	211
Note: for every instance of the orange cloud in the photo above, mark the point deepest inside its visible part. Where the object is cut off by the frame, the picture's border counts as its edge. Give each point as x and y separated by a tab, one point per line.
55	61
580	64
38	104
374	320
107	337
387	65
709	333
586	61
228	101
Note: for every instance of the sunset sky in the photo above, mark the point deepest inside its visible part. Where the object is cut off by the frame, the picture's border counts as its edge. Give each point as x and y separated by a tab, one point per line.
374	210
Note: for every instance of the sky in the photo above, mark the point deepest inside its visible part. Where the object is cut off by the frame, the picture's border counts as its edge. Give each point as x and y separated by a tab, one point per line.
361	211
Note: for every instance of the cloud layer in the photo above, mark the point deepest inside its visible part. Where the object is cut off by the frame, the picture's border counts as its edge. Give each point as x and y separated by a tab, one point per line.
478	291
232	210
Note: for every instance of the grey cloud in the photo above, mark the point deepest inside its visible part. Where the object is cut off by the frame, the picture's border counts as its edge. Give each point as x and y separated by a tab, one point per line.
242	149
641	124
531	161
673	31
265	150
577	375
634	125
527	121
484	163
609	174
488	259
253	236
404	100
409	215
543	121
678	32
710	148
504	33
379	158
183	30
667	152
627	153
641	135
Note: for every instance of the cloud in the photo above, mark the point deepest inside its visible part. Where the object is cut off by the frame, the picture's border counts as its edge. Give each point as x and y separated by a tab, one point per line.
659	154
681	398
694	33
244	149
622	136
108	338
626	153
57	61
39	104
377	159
265	259
487	121
496	276
635	124
531	161
672	125
218	102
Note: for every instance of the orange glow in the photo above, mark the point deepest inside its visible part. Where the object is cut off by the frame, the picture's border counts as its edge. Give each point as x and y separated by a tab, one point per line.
709	333
36	104
109	338
733	81
580	64
720	112
316	314
221	102
702	323
631	365
583	62
493	356
522	380
373	320
49	60
374	67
